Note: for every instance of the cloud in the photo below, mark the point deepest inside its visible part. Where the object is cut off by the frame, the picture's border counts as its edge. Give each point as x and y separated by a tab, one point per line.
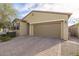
58	7
27	6
18	6
23	9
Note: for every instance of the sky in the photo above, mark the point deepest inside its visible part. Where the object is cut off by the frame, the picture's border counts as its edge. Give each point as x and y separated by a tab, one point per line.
24	8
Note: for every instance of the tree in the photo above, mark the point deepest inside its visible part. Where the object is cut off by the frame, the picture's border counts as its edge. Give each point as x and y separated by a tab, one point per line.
7	13
16	23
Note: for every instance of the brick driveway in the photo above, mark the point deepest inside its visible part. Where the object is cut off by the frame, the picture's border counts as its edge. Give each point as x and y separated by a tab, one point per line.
30	46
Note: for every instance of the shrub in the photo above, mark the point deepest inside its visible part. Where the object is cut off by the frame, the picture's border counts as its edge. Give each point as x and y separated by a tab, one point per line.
3	35
8	36
4	38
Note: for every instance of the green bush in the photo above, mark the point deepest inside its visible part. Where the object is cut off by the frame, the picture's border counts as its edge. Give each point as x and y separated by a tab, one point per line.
8	36
3	35
4	38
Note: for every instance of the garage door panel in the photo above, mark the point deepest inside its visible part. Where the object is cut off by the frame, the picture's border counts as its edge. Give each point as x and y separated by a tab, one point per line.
51	29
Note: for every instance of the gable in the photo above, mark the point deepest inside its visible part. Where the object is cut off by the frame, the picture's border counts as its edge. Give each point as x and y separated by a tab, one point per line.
38	17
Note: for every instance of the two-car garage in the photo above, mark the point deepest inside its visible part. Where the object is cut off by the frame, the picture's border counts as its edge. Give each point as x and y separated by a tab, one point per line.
46	24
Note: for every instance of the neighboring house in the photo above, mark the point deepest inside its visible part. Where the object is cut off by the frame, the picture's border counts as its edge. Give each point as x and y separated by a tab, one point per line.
45	24
74	30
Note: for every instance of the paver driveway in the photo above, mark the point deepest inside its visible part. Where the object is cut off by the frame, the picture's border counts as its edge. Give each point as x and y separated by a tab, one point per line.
30	46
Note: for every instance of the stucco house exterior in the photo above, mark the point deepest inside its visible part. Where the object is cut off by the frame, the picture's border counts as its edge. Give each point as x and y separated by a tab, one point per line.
45	24
74	30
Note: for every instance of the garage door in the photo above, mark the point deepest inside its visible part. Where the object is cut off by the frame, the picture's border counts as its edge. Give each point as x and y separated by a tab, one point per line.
49	29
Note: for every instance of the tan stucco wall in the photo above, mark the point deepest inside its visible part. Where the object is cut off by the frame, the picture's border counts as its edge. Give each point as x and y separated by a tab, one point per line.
23	28
74	30
37	17
31	29
28	17
65	30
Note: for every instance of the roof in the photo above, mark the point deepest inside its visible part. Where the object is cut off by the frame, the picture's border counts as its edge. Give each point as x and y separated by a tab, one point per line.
64	13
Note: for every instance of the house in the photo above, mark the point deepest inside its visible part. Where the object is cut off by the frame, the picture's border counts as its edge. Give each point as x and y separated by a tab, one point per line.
45	24
16	25
74	30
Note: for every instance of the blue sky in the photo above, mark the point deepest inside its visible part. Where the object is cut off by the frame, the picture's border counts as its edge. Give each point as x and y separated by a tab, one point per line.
24	8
